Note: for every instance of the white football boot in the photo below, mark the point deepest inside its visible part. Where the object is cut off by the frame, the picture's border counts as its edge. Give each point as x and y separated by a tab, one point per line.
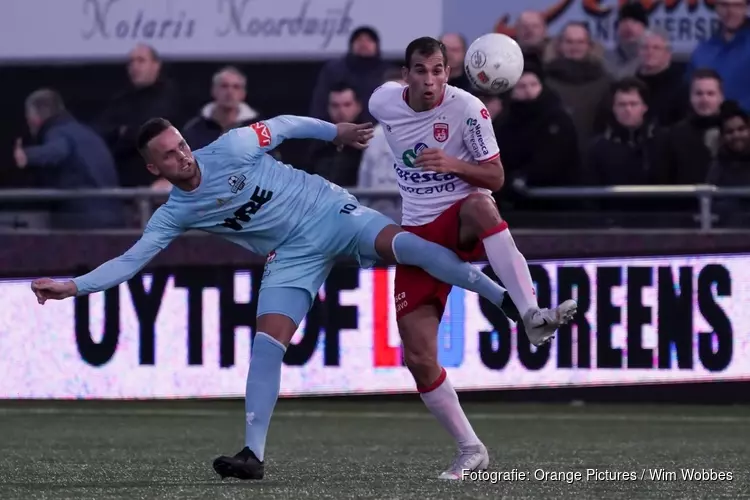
470	459
542	324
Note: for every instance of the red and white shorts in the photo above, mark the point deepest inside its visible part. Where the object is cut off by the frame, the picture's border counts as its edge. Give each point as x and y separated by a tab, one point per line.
413	287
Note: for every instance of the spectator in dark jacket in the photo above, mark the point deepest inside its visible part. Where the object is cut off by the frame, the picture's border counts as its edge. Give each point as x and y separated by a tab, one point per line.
689	148
335	164
626	153
732	166
728	51
362	68
149	95
74	157
669	100
228	110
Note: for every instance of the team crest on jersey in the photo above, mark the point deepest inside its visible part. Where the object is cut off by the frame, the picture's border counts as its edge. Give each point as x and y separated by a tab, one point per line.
440	132
237	183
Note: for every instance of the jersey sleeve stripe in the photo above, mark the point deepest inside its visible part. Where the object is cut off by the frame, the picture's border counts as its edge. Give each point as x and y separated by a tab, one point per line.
491	158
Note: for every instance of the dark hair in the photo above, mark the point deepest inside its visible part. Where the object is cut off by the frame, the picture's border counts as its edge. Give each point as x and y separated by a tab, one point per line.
425	46
342	87
706	74
731	109
630	84
580	24
148	131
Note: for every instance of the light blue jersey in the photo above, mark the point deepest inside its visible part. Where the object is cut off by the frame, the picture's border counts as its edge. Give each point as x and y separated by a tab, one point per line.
265	206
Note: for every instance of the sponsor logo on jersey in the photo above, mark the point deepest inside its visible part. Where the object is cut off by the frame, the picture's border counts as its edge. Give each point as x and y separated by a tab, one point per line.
448	187
410	155
422	177
237	183
440	132
263	133
485	114
478	146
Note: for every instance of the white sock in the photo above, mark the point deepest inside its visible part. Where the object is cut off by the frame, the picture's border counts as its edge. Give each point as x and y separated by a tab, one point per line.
442	401
511	267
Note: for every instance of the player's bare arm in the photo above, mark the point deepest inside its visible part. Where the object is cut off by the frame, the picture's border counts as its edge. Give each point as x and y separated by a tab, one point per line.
488	174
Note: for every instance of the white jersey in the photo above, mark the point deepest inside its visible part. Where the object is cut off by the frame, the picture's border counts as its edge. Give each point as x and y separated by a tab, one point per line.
459	124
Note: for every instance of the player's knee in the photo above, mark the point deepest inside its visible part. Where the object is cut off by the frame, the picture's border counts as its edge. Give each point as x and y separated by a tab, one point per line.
478	205
424	367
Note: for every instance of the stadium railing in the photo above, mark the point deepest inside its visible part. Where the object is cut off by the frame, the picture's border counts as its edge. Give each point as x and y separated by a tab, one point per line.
145	197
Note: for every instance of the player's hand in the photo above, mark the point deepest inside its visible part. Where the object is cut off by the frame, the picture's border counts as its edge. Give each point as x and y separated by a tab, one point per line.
19	155
353	135
46	289
435	160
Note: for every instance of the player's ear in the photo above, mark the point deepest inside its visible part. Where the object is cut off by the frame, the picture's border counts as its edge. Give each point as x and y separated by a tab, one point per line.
447	70
152	168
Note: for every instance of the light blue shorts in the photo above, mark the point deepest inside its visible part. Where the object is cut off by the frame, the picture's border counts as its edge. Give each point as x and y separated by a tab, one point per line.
340	228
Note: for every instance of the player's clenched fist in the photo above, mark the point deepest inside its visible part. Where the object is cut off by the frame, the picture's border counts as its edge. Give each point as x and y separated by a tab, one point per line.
354	135
45	288
436	160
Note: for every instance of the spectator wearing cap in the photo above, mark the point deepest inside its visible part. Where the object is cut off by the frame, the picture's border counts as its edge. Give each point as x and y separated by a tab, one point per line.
728	51
668	100
536	136
632	21
732	165
455	48
362	68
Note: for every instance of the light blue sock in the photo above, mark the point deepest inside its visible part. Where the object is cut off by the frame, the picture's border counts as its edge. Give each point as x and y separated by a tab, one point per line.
262	390
441	263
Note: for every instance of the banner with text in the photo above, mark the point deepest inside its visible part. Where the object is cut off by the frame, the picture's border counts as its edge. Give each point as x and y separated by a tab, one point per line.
186	333
687	21
207	29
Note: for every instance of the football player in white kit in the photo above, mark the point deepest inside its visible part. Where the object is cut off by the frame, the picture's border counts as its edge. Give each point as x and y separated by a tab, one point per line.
448	165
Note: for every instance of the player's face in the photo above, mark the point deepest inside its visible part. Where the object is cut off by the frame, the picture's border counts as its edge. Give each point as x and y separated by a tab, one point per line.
229	90
629	109
427	77
171	157
706	97
731	13
736	134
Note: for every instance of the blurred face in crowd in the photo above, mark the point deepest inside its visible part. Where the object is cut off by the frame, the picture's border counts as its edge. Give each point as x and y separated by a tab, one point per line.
343	106
706	96
364	46
528	88
229	90
143	68
731	13
455	50
33	120
575	43
169	156
629	31
655	54
493	104
736	133
531	30
426	78
629	108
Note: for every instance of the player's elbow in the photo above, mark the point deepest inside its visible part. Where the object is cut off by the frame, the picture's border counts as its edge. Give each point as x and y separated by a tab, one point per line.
498	179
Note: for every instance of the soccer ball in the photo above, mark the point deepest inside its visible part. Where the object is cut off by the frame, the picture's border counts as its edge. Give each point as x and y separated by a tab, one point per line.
494	63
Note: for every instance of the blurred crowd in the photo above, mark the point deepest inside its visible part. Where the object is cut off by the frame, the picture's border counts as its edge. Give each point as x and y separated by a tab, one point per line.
580	115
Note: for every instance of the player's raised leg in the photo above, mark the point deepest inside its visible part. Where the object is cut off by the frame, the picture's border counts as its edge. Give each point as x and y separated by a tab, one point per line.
418	330
280	310
480	218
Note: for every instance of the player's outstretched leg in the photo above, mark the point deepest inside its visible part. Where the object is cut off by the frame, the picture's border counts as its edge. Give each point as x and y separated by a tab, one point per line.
479	214
279	312
396	246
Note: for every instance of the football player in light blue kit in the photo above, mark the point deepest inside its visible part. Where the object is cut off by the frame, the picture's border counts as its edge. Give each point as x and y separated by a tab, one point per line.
232	188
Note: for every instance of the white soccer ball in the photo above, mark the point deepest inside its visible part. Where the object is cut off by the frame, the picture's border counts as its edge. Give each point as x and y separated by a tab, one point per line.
494	63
